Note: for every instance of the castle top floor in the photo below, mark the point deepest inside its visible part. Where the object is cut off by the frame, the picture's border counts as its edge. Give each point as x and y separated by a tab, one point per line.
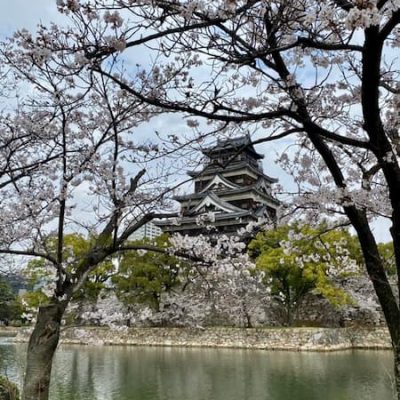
232	151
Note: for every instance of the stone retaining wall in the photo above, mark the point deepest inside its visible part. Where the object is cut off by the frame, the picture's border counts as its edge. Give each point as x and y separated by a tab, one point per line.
8	331
295	339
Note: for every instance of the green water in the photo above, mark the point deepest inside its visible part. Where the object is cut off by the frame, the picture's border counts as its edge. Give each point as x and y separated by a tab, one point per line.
144	373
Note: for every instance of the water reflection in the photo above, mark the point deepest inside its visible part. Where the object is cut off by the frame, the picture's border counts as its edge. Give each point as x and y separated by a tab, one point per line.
128	373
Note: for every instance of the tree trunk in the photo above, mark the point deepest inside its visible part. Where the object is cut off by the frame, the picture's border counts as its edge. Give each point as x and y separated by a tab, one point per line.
246	315
248	321
289	315
288	304
396	353
383	290
42	346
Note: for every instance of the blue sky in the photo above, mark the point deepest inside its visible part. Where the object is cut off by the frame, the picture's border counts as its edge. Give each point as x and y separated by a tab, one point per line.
18	14
27	14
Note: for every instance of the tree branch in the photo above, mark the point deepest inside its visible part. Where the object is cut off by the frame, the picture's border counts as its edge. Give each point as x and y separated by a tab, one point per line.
180	107
389	26
29	253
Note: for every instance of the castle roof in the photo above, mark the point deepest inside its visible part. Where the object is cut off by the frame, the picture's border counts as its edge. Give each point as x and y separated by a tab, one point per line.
220	180
246	189
218	217
211	198
212	169
238	144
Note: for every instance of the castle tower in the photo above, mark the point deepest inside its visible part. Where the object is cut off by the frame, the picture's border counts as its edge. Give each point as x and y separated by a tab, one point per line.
231	187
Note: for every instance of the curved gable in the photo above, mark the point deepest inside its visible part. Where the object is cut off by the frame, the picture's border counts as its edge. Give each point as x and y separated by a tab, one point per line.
214	201
219	182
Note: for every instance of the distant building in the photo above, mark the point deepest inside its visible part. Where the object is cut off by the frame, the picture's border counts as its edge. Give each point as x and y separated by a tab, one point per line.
147	231
230	191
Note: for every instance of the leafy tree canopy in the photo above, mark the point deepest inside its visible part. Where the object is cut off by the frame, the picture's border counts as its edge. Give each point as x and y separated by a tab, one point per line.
145	275
40	274
10	307
297	259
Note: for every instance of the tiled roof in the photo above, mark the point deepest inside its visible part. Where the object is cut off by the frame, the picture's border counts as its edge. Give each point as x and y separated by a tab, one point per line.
211	169
237	143
226	192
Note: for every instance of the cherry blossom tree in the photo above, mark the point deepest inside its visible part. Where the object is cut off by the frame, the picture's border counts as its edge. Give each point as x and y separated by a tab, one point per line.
72	163
76	165
212	279
224	279
321	74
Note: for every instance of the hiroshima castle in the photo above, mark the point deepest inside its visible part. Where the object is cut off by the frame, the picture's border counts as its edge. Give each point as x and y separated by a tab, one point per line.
231	187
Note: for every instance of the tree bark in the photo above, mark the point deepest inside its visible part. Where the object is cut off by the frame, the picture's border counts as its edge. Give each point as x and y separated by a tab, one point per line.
42	346
377	275
396	352
289	315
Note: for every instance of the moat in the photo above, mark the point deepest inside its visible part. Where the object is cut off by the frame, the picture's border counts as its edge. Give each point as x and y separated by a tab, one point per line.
165	373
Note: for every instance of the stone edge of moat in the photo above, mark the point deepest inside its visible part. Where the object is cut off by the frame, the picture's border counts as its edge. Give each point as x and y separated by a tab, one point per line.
288	339
9	331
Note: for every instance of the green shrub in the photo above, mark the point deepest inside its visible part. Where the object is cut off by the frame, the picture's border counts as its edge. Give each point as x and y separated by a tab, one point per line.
8	389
